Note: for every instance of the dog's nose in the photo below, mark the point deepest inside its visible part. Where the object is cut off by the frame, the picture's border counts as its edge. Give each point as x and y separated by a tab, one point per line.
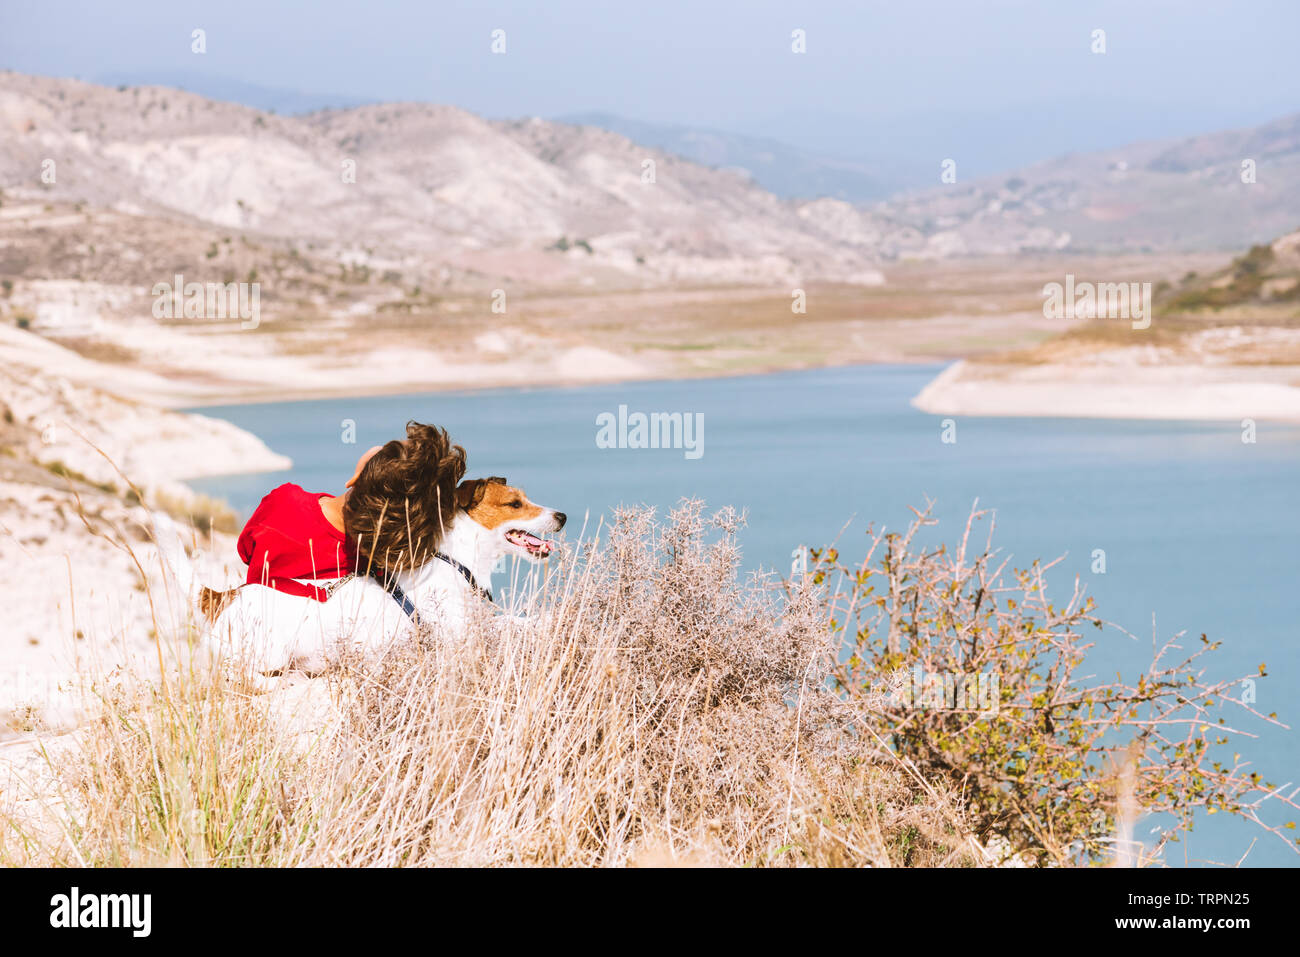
560	518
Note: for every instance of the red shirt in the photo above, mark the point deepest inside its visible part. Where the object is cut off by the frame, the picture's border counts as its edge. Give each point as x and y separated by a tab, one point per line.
289	537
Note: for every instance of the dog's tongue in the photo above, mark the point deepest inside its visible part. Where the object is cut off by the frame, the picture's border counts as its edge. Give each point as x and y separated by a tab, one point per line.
541	544
532	541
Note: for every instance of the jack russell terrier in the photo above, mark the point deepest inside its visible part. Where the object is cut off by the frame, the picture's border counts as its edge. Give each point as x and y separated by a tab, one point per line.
269	633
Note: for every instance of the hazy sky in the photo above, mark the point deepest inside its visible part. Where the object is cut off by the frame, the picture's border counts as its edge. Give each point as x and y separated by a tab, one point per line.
721	64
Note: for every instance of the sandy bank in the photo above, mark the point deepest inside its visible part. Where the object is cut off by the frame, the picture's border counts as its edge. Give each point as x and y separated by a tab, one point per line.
1120	388
82	581
229	369
70	416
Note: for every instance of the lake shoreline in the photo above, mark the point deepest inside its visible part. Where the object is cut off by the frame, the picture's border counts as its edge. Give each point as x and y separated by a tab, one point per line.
1123	383
513	385
1118	390
959	387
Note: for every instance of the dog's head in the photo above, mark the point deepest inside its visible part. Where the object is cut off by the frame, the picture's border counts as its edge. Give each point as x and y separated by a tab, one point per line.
519	526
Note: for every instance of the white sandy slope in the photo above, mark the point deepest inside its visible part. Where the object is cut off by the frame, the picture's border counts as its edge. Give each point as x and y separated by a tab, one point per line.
1116	385
204	369
81	586
105	437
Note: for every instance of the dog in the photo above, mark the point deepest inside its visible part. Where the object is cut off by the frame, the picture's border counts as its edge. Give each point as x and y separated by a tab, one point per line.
265	634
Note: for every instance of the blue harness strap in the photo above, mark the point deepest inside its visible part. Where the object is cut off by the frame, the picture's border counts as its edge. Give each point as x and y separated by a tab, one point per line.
408	606
399	596
466	573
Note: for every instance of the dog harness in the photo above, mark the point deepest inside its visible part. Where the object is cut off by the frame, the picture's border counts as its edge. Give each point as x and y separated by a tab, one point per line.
466	574
399	596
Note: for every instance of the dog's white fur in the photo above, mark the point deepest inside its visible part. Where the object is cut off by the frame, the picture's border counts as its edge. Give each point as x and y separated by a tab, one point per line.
264	632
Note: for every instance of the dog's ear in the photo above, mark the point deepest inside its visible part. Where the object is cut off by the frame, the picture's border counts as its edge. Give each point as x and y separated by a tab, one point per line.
471	491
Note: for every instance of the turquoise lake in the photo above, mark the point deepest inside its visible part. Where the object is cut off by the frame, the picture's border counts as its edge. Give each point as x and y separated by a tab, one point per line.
1199	529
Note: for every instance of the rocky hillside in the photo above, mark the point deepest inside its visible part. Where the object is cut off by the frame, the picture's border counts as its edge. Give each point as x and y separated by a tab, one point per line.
1223	344
527	199
1178	195
1265	280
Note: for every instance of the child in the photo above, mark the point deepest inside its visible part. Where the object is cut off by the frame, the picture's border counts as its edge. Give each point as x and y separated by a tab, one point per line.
391	515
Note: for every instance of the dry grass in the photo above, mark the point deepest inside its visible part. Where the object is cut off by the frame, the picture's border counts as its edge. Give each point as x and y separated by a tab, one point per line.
99	349
204	512
653	708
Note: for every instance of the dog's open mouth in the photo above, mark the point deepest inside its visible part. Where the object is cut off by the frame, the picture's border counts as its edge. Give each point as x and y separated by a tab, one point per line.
530	543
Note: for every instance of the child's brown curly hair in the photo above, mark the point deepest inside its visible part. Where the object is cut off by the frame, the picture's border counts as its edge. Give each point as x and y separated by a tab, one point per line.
403	500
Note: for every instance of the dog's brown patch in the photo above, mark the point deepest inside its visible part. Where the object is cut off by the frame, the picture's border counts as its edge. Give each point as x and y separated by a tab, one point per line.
491	502
212	602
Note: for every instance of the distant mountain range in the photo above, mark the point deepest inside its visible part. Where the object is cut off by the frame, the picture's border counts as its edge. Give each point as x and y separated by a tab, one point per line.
879	155
1223	190
1218	191
778	167
810	154
660	204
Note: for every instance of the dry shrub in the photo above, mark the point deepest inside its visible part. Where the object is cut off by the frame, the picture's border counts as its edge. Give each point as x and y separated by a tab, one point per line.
1055	765
652	707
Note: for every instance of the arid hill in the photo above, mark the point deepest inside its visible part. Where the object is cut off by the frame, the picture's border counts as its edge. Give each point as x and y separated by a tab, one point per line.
433	185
